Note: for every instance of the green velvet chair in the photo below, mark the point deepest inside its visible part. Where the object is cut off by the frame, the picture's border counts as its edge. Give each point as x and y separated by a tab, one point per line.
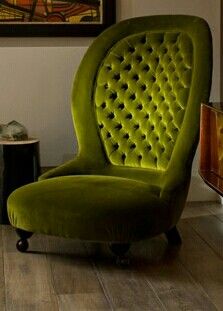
135	103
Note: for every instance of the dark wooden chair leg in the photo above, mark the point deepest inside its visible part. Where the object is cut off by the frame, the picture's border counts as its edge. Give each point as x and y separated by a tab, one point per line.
22	244
173	236
120	250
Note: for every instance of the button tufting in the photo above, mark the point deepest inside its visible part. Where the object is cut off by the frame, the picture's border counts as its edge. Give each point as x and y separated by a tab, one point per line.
139	58
120	58
169	88
129	116
124	86
132	97
140	157
116	76
128	67
147	116
149	147
101	126
139	107
161	69
135	77
108	135
111	115
109	68
106	86
126	136
103	105
152	127
118	126
131	49
143	87
136	126
121	106
143	136
113	96
150	49
115	146
133	146
150	98
146	68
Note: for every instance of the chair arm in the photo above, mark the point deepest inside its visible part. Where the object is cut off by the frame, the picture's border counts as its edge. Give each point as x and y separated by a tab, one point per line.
173	183
73	167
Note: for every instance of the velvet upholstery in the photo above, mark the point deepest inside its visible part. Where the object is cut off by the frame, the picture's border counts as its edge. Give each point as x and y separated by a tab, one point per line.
135	104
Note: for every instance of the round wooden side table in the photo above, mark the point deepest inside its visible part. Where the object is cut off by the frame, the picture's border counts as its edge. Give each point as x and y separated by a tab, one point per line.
19	165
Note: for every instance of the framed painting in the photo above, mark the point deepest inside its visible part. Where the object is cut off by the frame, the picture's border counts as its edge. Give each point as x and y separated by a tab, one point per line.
55	17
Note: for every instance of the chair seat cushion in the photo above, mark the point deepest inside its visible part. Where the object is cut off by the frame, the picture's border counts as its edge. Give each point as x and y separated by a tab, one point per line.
97	208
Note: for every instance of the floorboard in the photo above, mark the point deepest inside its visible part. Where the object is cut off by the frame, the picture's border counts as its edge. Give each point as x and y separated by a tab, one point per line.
214	207
73	277
27	281
174	285
125	288
210	230
195	209
219	216
64	275
204	265
79	302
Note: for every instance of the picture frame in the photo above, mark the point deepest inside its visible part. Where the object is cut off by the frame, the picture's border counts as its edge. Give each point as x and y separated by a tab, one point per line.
55	23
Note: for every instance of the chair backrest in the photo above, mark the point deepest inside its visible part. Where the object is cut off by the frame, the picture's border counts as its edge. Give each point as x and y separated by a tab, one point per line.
137	93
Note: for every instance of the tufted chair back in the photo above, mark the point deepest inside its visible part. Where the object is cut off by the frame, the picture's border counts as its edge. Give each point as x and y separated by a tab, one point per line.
141	94
137	94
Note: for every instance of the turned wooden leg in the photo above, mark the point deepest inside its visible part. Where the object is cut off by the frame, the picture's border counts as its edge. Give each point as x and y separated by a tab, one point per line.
120	250
173	236
22	244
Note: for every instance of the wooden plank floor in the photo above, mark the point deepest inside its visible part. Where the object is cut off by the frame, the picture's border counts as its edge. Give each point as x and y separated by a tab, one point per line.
65	275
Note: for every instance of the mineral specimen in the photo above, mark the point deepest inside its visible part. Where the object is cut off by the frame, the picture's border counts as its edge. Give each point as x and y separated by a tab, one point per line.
13	131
